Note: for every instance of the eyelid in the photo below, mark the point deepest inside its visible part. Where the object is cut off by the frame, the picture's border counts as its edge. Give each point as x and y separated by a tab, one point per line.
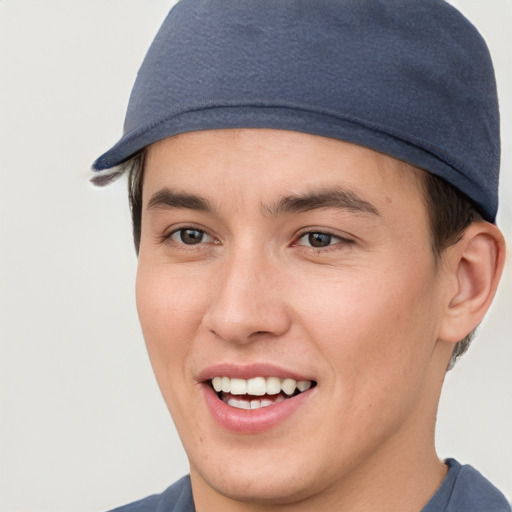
169	234
202	231
340	239
307	233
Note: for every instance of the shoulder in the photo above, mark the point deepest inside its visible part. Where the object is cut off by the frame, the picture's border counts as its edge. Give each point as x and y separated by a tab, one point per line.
472	491
466	490
176	498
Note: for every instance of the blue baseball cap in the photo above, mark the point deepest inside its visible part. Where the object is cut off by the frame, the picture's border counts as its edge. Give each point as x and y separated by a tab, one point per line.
412	79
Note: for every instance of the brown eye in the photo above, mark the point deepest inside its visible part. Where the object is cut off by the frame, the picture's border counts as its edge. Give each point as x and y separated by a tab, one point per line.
318	239
190	236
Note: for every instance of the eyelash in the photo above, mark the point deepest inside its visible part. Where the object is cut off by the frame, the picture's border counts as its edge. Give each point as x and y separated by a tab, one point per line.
331	246
307	246
181	232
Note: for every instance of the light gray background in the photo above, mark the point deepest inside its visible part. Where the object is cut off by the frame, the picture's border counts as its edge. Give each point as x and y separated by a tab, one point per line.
82	424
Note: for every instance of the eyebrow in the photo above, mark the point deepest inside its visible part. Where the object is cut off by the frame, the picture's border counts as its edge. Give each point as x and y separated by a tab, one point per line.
166	198
330	198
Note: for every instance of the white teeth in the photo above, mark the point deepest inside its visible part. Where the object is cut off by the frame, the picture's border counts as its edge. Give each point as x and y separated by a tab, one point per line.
255	404
288	386
238	386
240	403
217	384
303	385
259	386
226	384
256	386
273	385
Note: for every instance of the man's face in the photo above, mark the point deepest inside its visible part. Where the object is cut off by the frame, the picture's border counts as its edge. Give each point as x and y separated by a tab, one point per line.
273	255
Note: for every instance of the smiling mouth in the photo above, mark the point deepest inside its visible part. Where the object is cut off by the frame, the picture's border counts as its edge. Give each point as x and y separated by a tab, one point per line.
258	392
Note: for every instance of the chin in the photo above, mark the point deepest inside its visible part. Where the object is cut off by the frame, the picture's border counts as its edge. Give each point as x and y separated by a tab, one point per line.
267	486
266	478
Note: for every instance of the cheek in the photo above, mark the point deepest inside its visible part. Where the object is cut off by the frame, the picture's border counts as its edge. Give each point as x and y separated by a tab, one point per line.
169	315
374	330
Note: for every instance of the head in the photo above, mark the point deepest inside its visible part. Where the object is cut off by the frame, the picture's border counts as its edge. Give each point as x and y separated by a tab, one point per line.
269	254
335	242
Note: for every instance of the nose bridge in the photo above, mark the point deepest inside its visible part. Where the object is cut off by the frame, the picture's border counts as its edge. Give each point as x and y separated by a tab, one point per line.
247	301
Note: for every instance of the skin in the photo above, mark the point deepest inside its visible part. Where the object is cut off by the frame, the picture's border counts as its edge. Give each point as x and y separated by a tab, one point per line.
370	316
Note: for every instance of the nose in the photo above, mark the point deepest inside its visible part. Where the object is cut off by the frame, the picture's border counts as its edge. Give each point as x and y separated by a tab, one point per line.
247	303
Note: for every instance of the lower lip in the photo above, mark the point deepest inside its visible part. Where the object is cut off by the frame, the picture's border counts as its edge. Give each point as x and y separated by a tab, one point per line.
252	421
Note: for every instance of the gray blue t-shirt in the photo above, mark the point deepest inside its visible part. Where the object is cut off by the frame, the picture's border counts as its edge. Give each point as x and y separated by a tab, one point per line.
464	489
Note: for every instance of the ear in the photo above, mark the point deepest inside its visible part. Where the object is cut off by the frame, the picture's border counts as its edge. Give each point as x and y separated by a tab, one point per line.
474	266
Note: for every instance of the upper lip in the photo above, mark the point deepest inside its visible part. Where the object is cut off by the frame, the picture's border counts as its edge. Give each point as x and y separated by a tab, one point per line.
248	371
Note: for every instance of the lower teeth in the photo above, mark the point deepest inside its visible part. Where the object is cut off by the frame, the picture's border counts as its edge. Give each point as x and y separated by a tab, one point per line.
255	403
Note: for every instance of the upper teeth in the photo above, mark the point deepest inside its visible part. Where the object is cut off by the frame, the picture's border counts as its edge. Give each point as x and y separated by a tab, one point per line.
259	386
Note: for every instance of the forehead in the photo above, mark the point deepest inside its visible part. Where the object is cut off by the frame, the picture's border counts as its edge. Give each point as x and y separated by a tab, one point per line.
266	163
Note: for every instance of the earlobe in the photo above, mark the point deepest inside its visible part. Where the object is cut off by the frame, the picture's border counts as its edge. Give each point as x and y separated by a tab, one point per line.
474	265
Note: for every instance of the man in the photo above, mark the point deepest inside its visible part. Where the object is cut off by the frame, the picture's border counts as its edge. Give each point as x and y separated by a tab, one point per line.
314	190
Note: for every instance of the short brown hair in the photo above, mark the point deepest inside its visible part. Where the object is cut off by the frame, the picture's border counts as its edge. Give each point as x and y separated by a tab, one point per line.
450	213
